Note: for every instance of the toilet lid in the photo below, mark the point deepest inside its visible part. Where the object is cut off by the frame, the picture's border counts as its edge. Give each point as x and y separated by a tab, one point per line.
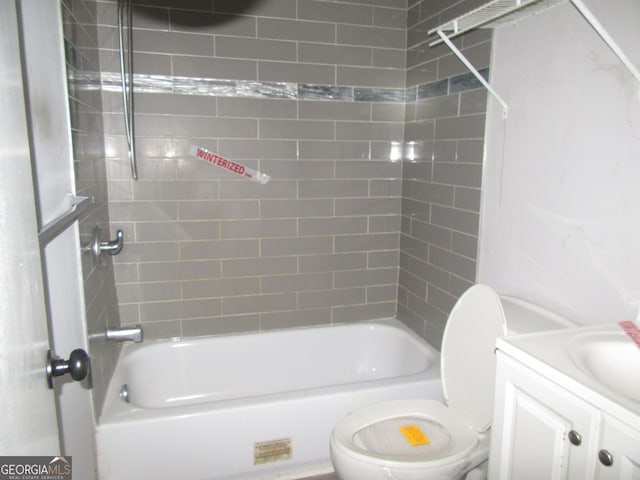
468	354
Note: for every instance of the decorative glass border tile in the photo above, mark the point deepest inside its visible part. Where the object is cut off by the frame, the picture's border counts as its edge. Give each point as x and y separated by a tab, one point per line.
395	95
111	82
448	86
325	92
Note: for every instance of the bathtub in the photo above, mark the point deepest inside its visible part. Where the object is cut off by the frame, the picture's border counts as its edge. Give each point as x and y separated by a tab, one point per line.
252	406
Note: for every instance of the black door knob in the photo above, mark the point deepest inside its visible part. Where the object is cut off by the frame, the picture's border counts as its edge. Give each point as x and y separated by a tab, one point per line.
77	366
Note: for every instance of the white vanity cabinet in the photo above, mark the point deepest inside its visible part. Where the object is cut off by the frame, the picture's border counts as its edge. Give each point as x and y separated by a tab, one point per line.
623	444
531	426
550	425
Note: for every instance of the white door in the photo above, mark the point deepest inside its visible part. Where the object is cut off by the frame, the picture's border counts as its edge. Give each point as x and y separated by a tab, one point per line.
29	425
51	152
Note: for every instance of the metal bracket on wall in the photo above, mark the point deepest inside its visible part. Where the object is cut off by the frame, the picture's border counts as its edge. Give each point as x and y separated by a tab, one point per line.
611	43
476	73
498	13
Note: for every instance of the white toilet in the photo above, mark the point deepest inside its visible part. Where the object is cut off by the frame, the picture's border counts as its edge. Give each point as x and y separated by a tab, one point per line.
425	439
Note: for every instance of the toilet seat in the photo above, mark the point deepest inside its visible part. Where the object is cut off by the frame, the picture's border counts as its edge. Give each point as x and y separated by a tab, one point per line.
459	441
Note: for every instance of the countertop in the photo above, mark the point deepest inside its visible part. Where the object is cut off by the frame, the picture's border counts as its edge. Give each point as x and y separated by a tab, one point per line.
548	354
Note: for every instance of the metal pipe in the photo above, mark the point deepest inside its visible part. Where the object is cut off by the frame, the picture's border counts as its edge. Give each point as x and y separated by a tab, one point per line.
133	334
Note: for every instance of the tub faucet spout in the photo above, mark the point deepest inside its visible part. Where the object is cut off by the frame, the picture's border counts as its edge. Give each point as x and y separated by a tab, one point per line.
132	334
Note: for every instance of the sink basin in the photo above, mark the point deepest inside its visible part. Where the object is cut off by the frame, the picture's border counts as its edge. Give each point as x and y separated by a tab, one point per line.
611	358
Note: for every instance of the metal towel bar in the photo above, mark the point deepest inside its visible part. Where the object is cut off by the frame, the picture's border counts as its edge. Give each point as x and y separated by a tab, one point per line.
56	226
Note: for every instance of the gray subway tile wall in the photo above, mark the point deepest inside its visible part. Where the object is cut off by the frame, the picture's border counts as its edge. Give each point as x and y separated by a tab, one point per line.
85	108
442	173
372	139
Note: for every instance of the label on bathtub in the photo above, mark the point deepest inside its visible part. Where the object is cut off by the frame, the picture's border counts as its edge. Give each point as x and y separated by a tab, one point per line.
234	167
414	435
632	330
271	451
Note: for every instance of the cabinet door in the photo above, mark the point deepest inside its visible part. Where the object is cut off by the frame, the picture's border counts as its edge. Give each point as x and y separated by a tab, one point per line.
618	454
533	418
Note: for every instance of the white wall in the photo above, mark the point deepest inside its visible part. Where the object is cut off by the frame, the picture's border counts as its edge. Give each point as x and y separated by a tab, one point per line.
561	192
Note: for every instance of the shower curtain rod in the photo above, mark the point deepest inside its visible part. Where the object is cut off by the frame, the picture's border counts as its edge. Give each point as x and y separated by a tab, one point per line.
126	78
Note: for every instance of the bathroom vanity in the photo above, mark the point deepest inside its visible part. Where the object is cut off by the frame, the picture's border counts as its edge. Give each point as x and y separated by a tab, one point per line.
567	405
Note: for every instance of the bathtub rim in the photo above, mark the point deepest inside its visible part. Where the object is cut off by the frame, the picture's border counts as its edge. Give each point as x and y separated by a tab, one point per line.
389	321
115	410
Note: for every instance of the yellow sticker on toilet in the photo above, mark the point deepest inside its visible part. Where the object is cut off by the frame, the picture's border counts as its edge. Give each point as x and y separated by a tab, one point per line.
414	435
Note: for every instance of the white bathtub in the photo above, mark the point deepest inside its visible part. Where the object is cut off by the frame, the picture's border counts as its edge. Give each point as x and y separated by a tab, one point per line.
251	406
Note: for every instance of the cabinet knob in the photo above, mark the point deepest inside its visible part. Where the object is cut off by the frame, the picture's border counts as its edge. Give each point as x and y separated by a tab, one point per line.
575	438
605	458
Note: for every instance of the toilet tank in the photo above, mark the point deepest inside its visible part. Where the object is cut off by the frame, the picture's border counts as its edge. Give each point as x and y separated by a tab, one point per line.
525	317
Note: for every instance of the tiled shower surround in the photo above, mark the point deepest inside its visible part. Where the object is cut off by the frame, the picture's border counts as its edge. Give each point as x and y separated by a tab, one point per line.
442	169
85	108
372	139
